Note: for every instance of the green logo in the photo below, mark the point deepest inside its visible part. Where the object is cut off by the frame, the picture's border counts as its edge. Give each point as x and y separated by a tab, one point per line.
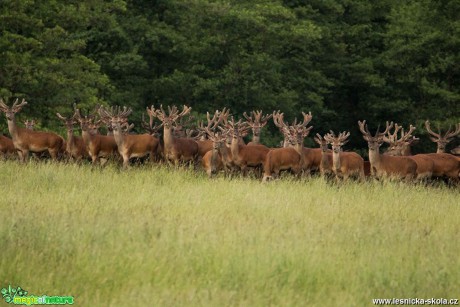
18	296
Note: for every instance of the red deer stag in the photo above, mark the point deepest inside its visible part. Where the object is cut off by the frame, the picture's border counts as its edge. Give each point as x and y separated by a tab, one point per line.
75	146
206	145
129	145
384	165
256	121
312	156
325	167
100	147
176	150
401	146
245	156
30	124
288	158
212	161
25	140
442	140
154	130
344	164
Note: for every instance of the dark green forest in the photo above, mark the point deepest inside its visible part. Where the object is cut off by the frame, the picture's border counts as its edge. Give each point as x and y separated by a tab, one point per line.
343	60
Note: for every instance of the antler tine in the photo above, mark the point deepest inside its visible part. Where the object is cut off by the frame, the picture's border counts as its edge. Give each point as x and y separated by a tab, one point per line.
329	137
3	106
363	128
278	119
16	107
214	121
331	133
125	113
185	111
319	138
248	118
393	137
428	128
344	136
264	119
104	114
151	110
15	103
450	134
160	113
224	115
406	136
306	119
77	113
61	117
388	127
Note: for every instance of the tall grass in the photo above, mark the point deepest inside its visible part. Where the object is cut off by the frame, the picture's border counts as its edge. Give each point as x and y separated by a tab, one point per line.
160	237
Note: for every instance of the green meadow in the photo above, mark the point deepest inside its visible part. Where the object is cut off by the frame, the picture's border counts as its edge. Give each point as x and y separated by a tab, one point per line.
154	236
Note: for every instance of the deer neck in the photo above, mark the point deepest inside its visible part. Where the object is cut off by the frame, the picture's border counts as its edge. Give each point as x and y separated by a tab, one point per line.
235	147
214	158
118	136
336	160
439	150
324	159
70	139
285	142
374	157
87	137
406	151
256	139
13	128
223	150
168	137
299	148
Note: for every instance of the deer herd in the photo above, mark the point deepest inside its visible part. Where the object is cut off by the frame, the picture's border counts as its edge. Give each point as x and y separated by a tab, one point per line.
218	145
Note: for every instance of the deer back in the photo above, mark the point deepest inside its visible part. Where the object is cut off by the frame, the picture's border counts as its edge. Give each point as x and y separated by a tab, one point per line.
444	164
282	159
38	140
351	161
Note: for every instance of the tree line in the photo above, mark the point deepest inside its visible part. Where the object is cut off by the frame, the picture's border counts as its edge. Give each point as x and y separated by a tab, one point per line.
343	60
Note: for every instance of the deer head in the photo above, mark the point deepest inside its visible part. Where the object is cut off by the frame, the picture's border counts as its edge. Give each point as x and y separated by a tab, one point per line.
150	127
87	123
373	142
238	129
68	122
399	146
30	124
256	121
10	112
118	118
212	124
442	140
321	142
172	116
337	141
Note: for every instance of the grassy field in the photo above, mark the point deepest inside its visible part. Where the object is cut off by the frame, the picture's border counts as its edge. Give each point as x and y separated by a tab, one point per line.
156	237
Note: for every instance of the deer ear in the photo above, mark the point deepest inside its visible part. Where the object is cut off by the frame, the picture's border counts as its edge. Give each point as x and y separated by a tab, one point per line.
433	139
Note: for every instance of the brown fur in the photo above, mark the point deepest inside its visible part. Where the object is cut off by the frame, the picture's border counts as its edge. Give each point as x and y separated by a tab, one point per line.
351	164
6	147
444	165
279	159
135	146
